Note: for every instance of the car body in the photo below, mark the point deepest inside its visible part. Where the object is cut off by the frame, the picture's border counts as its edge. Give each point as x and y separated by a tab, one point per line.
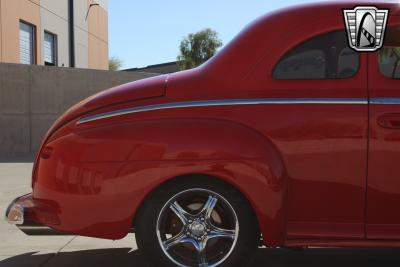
315	158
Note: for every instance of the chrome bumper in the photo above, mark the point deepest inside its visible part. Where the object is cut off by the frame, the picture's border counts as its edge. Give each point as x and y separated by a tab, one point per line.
16	215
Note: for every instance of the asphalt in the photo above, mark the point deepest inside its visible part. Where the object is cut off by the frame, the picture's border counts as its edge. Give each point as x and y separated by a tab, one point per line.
19	250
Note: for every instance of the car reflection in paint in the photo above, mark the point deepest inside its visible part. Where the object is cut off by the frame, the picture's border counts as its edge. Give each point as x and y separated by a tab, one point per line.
286	134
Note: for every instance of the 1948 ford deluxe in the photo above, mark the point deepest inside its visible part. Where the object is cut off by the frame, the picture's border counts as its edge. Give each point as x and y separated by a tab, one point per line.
287	134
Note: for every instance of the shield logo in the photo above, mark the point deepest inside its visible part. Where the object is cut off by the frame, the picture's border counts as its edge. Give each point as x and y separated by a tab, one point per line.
366	27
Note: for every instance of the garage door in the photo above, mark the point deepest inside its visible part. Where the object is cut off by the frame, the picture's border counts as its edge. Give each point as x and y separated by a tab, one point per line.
26	43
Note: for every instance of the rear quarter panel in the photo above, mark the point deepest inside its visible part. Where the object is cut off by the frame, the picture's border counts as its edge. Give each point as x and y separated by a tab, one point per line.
114	166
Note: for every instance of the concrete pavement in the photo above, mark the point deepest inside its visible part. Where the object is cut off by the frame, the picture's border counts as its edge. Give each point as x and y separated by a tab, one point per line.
19	250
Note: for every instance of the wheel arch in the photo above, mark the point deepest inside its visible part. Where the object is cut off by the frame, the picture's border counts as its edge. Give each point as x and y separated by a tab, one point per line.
213	179
272	229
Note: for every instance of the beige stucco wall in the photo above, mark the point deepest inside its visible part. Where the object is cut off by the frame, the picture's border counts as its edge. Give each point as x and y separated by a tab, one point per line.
103	3
98	36
81	34
91	34
54	19
11	12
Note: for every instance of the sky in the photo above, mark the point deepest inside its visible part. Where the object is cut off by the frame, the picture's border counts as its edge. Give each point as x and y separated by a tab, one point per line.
146	32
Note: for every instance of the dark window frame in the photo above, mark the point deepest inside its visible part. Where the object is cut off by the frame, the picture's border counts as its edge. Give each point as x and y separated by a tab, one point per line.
34	39
55	48
292	51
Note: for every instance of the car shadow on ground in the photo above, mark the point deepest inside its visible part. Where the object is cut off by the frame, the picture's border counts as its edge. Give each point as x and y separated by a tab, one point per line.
264	257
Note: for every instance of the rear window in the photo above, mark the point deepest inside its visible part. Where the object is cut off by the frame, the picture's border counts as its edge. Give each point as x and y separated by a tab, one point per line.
327	56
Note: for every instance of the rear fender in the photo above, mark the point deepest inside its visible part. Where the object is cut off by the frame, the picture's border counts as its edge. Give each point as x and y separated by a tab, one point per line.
135	158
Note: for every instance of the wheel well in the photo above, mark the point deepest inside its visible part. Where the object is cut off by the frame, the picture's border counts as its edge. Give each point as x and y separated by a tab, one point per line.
208	178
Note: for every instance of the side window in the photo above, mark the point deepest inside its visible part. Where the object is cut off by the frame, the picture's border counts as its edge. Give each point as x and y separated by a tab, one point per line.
389	55
50	49
327	56
27	43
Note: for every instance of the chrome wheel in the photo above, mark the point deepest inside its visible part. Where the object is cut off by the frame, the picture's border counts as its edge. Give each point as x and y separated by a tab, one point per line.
197	227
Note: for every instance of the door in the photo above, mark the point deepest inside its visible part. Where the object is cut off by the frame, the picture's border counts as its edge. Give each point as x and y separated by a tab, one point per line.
383	191
323	138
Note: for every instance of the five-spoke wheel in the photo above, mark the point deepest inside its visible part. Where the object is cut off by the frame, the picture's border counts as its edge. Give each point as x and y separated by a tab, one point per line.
197	224
197	227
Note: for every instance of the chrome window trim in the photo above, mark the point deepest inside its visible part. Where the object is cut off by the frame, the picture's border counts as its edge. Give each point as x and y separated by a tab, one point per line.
385	101
230	102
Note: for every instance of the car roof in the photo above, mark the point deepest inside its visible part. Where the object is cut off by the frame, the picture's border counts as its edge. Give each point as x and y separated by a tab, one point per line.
274	33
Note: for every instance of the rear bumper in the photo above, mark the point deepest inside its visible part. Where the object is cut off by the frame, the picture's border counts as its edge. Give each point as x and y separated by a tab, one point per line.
28	214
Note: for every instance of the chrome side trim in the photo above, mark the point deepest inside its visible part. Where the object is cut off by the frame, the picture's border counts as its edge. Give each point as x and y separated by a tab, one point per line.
385	101
233	102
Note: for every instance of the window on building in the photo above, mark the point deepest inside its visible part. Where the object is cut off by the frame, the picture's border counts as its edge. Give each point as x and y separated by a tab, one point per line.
389	56
27	46
327	56
50	49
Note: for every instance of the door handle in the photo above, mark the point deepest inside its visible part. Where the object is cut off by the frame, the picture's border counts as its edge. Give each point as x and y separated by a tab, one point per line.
390	121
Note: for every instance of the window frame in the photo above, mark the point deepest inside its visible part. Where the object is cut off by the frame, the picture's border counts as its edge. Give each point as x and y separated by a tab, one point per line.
395	70
34	41
55	48
289	51
390	45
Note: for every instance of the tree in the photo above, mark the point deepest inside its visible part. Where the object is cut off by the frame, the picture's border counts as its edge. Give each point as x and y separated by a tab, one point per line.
197	48
114	63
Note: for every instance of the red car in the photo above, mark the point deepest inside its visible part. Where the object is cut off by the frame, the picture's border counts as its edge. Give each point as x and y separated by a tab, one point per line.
287	134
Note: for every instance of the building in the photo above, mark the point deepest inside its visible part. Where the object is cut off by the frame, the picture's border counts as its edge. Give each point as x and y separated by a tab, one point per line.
64	33
164	68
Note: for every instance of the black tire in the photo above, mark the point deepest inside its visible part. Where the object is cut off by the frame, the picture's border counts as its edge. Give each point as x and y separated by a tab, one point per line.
147	222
